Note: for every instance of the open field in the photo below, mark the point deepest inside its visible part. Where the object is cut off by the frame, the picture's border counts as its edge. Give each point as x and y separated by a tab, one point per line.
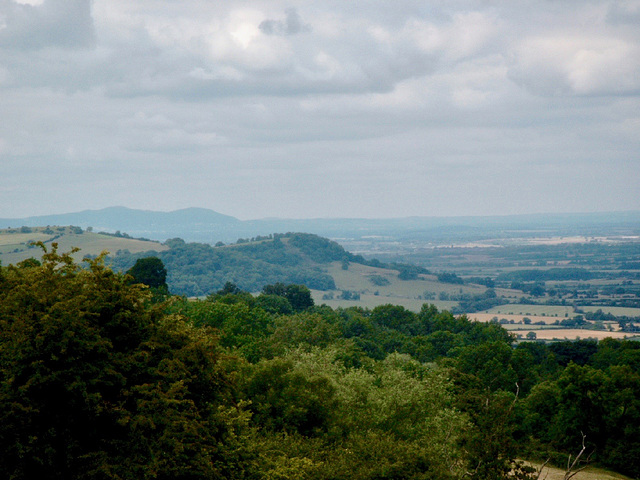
590	473
371	301
517	319
14	247
358	278
617	311
572	334
555	311
11	240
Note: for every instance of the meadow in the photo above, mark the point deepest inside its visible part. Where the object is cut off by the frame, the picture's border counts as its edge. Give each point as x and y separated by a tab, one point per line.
16	246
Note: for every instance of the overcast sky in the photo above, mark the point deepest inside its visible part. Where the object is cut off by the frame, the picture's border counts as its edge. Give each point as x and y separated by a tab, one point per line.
320	108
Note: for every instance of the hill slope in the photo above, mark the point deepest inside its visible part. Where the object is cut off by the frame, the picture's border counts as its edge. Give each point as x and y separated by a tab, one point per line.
196	269
337	277
17	244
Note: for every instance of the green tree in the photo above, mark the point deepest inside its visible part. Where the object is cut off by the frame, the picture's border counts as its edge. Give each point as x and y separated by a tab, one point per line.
150	271
285	400
97	383
298	296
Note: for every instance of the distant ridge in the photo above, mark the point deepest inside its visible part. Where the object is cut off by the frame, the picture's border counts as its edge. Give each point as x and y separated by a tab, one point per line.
146	223
204	225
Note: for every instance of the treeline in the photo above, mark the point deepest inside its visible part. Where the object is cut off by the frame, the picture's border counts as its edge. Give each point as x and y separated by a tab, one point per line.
100	380
551	274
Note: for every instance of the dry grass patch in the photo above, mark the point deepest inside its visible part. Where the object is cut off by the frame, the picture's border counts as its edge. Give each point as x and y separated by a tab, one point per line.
590	473
573	334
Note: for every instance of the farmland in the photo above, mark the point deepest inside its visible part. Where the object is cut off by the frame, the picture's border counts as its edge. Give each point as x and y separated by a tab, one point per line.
18	244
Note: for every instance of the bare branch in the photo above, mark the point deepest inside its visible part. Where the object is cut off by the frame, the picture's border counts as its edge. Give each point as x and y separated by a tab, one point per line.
570	466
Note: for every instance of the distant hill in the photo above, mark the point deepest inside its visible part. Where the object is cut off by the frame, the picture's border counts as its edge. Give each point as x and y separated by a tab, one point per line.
196	222
337	277
203	225
197	269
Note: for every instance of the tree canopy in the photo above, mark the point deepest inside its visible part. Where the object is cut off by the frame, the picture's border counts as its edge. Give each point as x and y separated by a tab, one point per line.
95	383
149	271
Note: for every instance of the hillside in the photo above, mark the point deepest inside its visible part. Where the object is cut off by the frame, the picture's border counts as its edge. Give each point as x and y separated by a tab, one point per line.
336	276
17	244
198	269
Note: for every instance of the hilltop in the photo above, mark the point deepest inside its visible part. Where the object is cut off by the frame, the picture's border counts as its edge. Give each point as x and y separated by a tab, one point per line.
198	269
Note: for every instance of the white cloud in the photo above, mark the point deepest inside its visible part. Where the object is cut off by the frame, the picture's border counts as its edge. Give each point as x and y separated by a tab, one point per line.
320	107
33	25
582	65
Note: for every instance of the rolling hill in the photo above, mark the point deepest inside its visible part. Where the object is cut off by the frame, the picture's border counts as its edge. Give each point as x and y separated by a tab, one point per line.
336	276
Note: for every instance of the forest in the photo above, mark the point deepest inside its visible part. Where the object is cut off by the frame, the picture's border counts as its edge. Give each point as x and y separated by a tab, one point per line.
107	375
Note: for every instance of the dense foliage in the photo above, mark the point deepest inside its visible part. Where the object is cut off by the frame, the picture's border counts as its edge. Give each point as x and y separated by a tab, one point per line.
96	383
99	381
149	271
198	269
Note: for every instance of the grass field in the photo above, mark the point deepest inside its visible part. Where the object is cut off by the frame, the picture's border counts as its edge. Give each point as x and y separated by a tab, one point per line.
411	294
590	473
14	247
518	319
371	301
11	240
556	311
357	278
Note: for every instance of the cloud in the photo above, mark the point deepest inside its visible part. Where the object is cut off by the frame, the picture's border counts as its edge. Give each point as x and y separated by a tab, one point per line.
291	25
53	23
577	65
322	108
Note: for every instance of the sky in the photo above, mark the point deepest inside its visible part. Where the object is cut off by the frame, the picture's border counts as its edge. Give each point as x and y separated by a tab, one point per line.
318	109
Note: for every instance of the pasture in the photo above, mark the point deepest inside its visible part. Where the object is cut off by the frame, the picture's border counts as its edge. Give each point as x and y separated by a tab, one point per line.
517	319
555	311
15	247
371	301
358	278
